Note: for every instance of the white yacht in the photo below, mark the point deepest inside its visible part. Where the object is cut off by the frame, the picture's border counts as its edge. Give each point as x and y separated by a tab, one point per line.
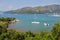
35	22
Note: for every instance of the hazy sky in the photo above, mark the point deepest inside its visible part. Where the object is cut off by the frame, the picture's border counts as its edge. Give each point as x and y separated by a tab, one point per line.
16	4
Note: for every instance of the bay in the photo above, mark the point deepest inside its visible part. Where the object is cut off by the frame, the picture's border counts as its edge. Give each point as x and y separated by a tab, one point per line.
25	23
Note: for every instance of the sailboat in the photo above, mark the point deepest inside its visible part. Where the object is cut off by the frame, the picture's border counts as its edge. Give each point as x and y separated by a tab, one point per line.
35	21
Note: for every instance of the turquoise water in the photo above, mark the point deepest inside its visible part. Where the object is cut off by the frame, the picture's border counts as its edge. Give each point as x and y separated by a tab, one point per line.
25	23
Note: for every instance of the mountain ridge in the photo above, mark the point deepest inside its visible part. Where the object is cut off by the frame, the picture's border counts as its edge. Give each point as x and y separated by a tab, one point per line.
39	9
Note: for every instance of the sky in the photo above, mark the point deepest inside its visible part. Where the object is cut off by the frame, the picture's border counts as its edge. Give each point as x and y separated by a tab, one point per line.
6	5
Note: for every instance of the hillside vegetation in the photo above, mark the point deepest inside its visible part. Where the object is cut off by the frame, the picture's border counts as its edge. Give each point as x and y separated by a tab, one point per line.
39	9
10	34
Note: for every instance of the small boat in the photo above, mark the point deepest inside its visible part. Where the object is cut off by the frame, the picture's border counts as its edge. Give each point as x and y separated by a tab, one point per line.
45	24
35	22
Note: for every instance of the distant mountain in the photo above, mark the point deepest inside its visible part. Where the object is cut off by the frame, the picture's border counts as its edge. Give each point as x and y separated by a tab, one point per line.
40	9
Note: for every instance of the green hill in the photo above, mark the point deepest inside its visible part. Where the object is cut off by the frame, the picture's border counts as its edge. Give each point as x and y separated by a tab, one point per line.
39	9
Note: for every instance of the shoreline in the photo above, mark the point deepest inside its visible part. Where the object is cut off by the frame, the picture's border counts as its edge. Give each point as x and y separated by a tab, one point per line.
16	20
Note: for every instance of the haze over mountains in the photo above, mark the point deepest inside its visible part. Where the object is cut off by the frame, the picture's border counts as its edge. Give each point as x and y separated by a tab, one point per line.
39	9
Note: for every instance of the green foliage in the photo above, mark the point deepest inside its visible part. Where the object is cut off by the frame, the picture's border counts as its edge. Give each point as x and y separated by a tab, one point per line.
29	34
56	31
6	19
10	34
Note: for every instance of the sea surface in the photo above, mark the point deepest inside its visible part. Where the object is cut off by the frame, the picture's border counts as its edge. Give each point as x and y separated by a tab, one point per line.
25	23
